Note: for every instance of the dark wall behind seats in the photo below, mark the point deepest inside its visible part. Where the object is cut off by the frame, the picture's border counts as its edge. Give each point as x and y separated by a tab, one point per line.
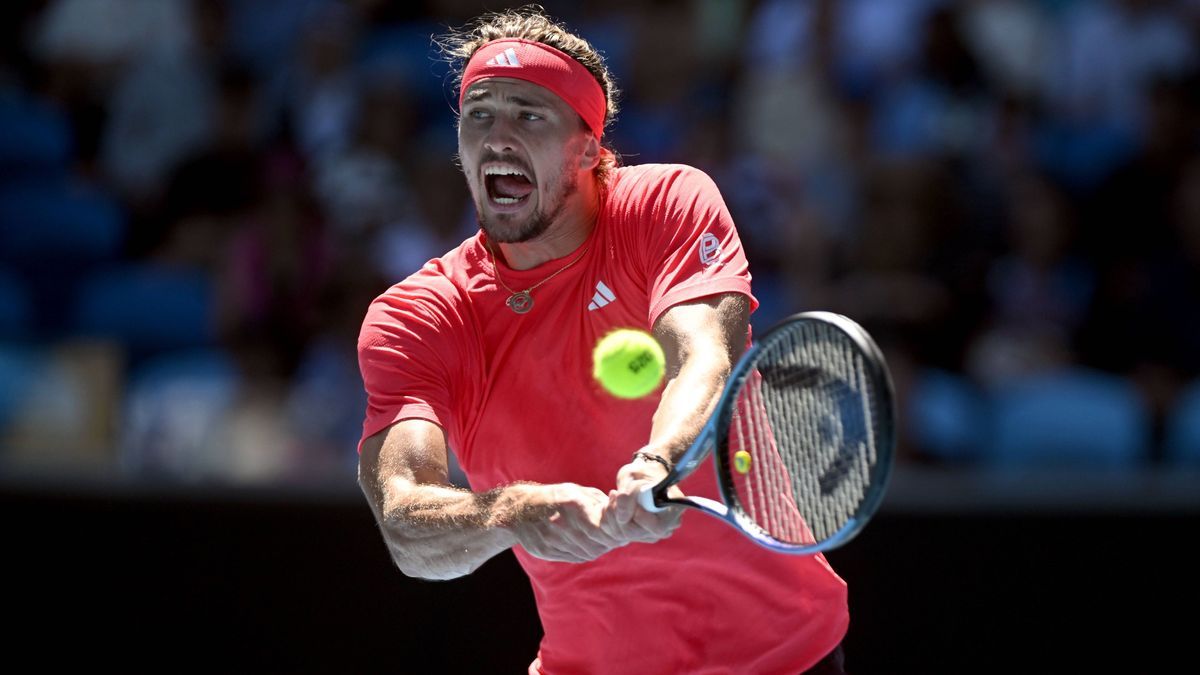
245	584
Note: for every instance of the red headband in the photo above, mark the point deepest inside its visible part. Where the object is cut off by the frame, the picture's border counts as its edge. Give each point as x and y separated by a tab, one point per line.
544	66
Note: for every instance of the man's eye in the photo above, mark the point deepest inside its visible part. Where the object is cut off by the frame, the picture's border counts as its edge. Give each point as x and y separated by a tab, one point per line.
530	116
479	114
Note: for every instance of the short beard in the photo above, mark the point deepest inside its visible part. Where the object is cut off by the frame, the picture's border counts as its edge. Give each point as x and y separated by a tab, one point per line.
535	227
537	224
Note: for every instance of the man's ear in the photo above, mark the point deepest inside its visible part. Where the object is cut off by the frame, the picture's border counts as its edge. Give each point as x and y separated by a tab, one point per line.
589	159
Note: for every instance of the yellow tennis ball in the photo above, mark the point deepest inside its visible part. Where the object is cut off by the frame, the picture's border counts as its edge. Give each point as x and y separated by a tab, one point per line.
628	363
741	461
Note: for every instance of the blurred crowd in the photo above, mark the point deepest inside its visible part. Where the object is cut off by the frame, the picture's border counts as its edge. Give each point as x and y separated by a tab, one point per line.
199	198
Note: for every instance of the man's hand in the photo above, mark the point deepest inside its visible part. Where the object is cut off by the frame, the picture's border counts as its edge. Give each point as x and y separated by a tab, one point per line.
625	519
572	530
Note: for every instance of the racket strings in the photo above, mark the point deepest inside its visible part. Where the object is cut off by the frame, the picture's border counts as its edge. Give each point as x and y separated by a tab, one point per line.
806	419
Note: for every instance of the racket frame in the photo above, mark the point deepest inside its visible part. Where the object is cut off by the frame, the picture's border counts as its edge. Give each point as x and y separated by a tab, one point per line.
715	435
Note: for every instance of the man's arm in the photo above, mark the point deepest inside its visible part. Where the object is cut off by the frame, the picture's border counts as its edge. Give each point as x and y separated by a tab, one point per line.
702	340
436	531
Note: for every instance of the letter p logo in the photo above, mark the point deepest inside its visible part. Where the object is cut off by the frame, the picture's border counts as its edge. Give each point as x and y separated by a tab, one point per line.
710	248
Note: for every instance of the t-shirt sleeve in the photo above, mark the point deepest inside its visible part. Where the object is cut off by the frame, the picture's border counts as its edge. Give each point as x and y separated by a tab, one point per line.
401	355
694	248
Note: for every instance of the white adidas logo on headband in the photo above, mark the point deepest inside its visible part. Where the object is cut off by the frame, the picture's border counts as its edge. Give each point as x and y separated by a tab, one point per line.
508	58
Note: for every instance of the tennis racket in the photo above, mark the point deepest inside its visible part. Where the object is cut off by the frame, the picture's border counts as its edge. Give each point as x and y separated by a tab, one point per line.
803	437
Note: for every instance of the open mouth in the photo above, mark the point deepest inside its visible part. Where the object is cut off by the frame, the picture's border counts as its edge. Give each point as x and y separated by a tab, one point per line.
507	185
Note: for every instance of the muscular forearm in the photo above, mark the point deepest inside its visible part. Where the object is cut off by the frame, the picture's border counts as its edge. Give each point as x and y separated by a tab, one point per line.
702	341
687	402
438	532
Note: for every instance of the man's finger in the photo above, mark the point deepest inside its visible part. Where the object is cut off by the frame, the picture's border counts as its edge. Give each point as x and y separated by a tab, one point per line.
610	520
573	532
540	546
589	526
625	504
661	524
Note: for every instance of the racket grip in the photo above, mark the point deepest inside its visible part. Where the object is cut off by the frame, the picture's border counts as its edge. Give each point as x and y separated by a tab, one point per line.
646	500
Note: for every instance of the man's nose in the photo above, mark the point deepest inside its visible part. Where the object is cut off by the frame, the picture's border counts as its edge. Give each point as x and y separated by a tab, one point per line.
499	137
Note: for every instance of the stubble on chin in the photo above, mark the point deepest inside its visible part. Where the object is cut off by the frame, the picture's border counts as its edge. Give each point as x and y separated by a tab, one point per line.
513	233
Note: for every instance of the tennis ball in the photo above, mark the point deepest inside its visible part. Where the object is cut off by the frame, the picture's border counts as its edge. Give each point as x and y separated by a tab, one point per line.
741	461
628	363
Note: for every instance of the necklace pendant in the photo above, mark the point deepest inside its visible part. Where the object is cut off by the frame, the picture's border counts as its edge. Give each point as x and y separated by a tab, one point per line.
520	302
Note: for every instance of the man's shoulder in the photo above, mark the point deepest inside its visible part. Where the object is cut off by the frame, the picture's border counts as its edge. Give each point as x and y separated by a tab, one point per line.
653	190
655	182
645	175
437	289
454	268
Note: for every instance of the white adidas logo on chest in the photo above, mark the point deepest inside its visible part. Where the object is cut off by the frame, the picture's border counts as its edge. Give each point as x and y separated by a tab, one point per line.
602	297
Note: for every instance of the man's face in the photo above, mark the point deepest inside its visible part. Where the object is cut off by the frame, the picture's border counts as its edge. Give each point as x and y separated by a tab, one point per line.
521	150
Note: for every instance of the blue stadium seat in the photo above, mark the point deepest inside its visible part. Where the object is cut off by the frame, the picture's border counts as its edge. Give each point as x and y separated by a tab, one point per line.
19	366
1072	417
58	223
36	138
1081	154
947	415
16	308
147	308
1182	443
53	233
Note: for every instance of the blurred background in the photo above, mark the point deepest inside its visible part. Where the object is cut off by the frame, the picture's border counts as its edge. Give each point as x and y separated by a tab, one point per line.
199	198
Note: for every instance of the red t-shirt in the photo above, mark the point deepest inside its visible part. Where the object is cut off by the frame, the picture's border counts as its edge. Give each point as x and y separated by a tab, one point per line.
516	397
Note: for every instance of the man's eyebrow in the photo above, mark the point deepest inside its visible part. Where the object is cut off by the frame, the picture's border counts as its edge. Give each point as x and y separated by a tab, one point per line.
482	94
526	103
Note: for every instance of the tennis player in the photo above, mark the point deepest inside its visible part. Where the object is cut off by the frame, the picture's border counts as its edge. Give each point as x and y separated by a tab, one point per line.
486	352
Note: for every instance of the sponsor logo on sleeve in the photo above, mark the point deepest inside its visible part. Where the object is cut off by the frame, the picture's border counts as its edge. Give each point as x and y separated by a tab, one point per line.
710	249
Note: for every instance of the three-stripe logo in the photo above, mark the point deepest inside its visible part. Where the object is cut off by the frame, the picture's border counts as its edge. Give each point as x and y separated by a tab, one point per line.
507	58
603	296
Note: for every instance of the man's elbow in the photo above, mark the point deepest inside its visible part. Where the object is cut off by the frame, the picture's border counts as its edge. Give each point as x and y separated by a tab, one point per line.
425	569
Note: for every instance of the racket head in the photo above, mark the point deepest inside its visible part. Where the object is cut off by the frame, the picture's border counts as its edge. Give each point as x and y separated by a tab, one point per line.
804	435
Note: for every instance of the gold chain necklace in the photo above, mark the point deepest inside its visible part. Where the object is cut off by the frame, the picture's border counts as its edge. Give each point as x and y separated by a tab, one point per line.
521	301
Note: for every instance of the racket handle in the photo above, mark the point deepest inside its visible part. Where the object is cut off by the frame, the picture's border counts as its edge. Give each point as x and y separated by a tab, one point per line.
646	500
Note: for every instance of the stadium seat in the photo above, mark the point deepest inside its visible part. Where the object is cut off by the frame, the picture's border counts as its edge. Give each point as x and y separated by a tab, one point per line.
18	368
36	138
58	223
147	308
1072	417
947	415
16	308
52	233
1081	154
1182	443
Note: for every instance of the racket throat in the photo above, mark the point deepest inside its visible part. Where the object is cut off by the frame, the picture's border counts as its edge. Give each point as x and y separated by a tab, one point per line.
711	506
